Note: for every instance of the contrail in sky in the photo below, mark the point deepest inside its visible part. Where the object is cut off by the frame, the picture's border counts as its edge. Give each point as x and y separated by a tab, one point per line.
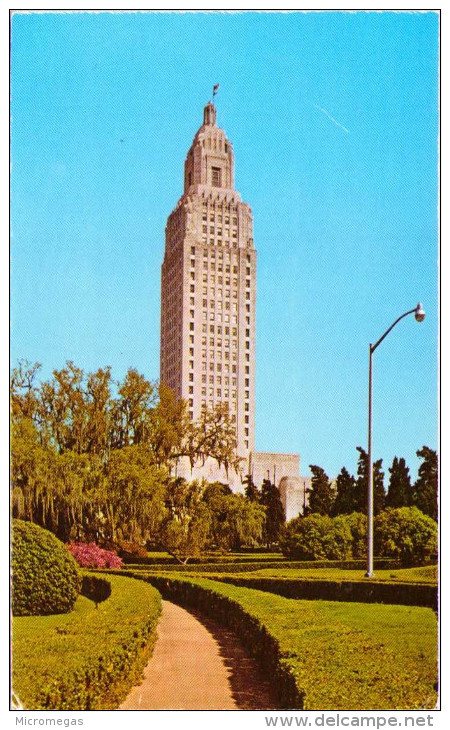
327	114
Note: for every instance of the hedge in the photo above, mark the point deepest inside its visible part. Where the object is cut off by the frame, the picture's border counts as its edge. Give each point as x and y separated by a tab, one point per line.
403	594
322	655
263	646
88	659
232	567
45	576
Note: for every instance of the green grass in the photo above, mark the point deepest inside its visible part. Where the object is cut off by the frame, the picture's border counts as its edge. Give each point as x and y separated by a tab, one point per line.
348	656
427	574
89	658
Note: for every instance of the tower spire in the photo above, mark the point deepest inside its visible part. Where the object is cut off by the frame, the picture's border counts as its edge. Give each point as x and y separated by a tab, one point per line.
209	114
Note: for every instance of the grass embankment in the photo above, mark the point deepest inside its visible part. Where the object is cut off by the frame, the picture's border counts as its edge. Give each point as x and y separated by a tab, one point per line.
341	656
426	574
87	659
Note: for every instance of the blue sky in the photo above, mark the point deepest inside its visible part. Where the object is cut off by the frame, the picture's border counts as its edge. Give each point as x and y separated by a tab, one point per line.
333	118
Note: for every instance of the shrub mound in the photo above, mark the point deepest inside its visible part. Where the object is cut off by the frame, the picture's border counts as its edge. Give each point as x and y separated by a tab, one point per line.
406	534
90	555
45	576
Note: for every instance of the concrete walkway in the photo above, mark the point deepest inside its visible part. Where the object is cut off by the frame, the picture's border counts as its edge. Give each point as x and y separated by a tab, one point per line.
197	665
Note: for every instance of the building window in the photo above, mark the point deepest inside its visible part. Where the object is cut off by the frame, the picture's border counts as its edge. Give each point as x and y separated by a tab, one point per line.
192	287
191	390
191	377
193	249
216	177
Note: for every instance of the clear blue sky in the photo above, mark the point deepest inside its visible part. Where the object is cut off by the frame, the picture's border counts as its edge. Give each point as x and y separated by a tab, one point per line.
333	117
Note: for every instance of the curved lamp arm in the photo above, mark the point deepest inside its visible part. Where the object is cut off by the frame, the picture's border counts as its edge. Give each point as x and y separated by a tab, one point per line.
419	315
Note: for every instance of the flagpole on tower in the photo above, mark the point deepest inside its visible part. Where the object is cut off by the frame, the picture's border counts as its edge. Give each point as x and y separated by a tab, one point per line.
215	90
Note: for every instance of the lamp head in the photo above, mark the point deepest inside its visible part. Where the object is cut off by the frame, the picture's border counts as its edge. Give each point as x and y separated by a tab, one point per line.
419	314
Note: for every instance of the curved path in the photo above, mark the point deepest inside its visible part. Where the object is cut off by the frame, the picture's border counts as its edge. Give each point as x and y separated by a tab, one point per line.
197	665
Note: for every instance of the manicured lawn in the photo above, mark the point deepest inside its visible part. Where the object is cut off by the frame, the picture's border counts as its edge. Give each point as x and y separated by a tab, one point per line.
348	656
427	574
90	657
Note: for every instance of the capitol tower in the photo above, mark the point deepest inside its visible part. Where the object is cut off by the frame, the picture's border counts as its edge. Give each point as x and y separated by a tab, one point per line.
208	292
208	300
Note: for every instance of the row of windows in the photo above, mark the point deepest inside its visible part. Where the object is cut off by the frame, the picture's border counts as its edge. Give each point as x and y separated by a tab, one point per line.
219	387
212	253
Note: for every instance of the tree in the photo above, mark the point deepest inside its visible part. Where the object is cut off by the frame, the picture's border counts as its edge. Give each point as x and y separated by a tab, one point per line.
186	530
243	522
399	491
90	466
170	426
134	495
131	413
317	537
251	490
357	523
274	518
345	501
425	491
379	495
405	533
214	436
321	496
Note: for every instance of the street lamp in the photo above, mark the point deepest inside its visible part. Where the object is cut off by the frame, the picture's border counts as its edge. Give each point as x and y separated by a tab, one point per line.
419	315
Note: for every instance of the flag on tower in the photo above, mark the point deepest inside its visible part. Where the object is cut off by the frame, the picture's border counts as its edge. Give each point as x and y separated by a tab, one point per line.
215	89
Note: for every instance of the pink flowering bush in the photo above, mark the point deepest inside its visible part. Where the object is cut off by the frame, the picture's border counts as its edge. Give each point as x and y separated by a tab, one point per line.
90	555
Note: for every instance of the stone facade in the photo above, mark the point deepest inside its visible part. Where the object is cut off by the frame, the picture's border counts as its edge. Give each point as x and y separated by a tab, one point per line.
208	301
208	293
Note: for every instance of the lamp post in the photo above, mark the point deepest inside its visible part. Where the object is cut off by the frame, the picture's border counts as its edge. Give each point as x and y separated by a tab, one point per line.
419	315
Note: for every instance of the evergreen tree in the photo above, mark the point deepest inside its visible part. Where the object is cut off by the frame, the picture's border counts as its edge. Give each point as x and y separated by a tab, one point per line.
270	499
345	501
425	492
250	491
379	495
399	490
321	497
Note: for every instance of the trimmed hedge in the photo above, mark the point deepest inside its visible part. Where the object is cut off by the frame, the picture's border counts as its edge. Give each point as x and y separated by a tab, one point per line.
45	576
88	659
231	567
402	594
264	647
324	655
